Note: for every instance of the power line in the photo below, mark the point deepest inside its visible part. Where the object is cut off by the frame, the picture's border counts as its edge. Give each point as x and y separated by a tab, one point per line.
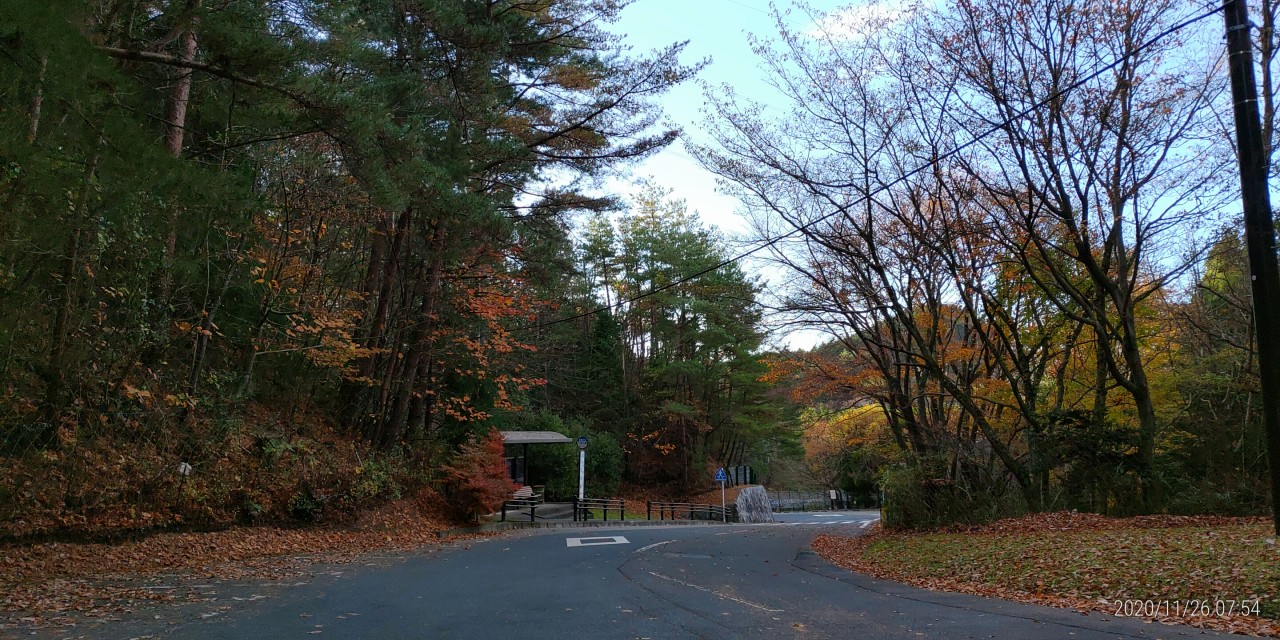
910	174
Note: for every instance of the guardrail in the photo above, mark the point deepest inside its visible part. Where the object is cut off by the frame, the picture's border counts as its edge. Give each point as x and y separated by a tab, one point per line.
814	500
582	509
531	504
692	511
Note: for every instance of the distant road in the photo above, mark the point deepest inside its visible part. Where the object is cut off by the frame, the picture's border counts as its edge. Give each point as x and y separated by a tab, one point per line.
715	581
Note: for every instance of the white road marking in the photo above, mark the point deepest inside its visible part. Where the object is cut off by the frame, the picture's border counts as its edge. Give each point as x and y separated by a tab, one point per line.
867	523
654	545
716	593
826	515
599	540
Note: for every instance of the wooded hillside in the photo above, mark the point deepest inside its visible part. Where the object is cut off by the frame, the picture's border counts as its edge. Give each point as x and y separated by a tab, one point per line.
273	259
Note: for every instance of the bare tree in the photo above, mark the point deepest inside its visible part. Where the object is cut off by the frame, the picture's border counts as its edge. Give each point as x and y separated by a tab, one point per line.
1100	187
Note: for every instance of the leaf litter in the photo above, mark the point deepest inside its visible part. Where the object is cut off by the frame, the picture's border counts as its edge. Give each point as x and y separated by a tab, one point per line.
62	584
1088	562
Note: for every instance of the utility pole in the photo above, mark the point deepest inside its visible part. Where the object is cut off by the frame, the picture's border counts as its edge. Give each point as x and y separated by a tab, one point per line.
1259	230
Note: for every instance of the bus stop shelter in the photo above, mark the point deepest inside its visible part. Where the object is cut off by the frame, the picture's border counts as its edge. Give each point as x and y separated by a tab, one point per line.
520	440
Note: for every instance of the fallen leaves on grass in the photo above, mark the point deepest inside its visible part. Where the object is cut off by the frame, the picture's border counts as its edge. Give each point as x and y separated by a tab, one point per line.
1087	562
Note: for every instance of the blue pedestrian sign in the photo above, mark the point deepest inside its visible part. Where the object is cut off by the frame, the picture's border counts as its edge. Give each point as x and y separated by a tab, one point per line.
721	478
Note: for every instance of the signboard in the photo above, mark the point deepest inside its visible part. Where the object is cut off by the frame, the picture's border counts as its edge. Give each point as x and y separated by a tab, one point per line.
721	478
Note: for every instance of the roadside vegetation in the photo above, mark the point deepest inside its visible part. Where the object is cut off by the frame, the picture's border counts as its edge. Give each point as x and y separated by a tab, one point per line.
1213	572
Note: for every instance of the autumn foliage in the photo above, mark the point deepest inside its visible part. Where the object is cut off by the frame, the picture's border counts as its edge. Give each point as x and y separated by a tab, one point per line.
357	255
476	481
1089	562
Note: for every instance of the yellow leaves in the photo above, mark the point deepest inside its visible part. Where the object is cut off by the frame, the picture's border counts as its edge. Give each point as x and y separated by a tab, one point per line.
828	435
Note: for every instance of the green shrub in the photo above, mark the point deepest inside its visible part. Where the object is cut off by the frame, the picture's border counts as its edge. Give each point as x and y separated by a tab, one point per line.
924	495
557	465
376	479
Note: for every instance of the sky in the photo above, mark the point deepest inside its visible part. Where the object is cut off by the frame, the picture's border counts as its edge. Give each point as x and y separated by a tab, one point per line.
716	30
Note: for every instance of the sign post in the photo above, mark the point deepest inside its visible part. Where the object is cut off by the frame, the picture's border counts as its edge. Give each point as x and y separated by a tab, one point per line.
721	478
582	467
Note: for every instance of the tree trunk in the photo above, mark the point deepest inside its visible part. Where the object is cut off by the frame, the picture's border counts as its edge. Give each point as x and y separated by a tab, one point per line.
37	101
381	277
175	134
55	373
429	285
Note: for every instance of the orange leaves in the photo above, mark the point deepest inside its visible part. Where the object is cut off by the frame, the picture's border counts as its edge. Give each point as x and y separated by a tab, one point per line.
654	440
51	583
812	375
141	396
827	436
574	77
477	476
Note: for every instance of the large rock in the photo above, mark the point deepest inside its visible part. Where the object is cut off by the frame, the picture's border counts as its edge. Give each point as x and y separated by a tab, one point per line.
753	505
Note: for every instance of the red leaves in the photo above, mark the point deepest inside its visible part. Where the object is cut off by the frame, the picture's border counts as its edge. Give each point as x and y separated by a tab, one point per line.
477	478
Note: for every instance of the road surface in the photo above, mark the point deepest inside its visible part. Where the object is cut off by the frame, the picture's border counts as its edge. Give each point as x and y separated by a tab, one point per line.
712	581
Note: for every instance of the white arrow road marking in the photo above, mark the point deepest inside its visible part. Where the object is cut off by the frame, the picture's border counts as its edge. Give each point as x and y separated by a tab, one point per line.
654	545
716	593
591	542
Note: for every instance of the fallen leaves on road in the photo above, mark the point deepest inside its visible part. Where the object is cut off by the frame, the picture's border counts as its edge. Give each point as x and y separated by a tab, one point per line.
1088	562
51	583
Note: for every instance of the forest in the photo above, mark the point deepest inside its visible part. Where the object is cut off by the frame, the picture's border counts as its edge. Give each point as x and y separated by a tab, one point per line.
275	260
268	260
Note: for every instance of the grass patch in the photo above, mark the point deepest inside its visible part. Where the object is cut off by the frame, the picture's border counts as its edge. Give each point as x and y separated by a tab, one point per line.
632	514
1093	563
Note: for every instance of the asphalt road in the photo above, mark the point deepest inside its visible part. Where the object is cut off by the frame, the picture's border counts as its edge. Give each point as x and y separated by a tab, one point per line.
715	581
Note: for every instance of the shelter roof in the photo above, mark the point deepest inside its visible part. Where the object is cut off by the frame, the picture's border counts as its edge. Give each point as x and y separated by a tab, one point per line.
535	437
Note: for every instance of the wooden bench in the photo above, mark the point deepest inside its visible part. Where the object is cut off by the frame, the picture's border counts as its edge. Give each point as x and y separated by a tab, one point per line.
523	498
